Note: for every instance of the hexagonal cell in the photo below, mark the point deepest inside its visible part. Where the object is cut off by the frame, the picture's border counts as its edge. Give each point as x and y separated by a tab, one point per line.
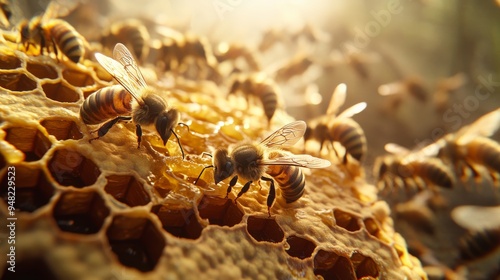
9	62
364	266
346	220
29	140
62	129
33	188
42	71
264	229
60	92
77	78
220	211
70	168
332	266
372	227
178	222
300	247
31	268
127	189
136	242
80	212
17	82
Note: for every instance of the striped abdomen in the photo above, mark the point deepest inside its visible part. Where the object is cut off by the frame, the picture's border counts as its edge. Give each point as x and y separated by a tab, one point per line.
289	178
106	103
268	97
350	135
485	151
135	34
432	171
67	39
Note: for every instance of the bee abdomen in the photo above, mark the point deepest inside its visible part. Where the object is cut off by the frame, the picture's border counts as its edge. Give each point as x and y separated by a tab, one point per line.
67	39
351	136
269	101
106	103
434	172
475	245
290	180
485	151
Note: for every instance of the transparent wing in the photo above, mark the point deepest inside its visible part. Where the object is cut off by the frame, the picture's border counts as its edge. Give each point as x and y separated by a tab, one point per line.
485	126
396	149
297	160
288	135
353	110
123	55
338	99
391	89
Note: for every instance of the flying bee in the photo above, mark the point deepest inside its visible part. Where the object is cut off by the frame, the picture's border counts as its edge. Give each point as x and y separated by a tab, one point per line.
252	161
132	33
339	128
445	88
408	170
142	104
412	86
232	52
57	34
296	66
261	87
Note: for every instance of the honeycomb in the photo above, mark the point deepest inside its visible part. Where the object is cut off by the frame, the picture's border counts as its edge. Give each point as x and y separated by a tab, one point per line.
107	210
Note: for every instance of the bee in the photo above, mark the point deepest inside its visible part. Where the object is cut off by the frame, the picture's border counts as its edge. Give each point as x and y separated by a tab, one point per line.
252	161
138	103
412	86
477	244
132	32
259	86
231	52
339	128
445	88
52	33
6	13
297	66
411	170
471	153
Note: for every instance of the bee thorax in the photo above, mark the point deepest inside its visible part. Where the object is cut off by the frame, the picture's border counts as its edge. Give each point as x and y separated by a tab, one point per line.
146	114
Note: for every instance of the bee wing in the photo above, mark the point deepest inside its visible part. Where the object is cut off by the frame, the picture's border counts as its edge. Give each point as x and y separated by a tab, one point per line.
288	135
396	149
297	160
338	99
485	126
353	110
391	89
132	83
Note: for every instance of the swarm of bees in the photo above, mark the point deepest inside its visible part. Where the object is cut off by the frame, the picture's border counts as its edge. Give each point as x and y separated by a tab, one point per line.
252	161
339	128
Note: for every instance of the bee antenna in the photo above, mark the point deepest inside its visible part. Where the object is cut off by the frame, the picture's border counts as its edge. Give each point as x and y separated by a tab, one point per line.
206	154
203	170
178	141
184	125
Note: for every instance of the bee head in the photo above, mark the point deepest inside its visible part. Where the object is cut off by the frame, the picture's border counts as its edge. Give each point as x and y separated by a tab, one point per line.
165	122
223	165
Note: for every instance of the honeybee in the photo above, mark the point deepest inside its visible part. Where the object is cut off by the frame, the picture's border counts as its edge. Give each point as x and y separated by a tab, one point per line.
470	151
411	85
476	244
130	31
444	88
339	128
141	105
225	51
47	32
259	86
297	66
252	161
6	13
408	170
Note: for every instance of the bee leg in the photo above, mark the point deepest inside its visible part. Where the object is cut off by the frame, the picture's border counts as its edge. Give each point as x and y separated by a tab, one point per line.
178	141
272	194
243	190
203	170
138	132
101	131
231	184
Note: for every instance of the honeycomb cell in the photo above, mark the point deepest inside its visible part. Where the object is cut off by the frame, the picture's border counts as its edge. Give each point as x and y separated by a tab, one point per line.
300	247
70	168
136	242
32	268
346	220
219	211
332	266
60	92
42	71
62	129
264	229
372	227
127	189
77	78
32	188
178	222
8	62
81	212
17	82
364	266
31	141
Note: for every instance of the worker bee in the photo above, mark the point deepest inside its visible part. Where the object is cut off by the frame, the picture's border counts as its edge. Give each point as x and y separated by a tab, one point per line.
445	88
411	171
297	66
232	52
412	86
470	151
130	32
252	161
57	34
259	86
149	109
339	128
